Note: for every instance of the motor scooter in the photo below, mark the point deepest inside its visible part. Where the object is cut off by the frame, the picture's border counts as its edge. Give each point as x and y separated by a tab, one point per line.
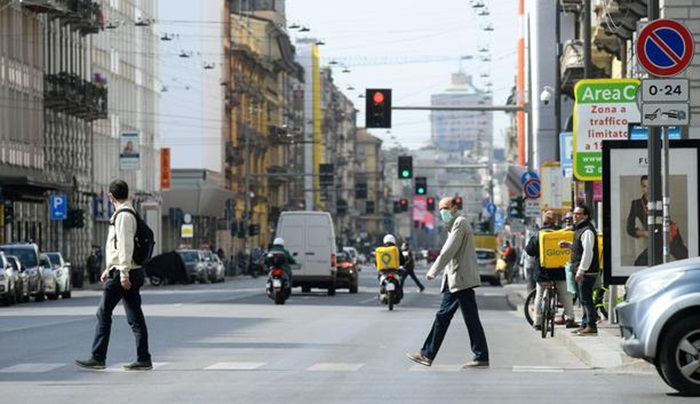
278	287
390	289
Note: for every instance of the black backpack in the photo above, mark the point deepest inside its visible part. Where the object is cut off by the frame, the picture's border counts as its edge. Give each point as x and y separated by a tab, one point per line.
143	239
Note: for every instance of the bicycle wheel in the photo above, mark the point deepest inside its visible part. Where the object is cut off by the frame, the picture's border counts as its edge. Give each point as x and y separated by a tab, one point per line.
546	312
529	309
554	301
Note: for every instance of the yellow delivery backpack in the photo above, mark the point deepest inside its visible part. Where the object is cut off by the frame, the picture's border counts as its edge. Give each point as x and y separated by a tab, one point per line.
552	256
387	258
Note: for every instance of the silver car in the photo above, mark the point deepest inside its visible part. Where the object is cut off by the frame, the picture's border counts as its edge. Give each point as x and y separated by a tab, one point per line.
50	282
10	282
23	285
660	321
28	256
486	259
61	269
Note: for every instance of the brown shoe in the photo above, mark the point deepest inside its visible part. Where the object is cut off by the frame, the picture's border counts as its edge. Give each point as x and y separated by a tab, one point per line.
419	358
578	330
476	364
588	331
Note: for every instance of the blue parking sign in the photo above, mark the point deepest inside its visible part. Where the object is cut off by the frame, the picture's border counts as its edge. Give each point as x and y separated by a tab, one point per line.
58	207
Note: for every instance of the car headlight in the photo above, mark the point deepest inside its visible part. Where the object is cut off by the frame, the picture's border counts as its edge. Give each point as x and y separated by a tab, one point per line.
59	273
651	285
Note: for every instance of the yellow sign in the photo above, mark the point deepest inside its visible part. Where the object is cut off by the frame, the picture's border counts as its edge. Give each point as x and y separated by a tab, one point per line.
187	231
387	258
552	256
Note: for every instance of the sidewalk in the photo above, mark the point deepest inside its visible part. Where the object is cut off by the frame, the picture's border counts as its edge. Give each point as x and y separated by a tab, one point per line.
600	352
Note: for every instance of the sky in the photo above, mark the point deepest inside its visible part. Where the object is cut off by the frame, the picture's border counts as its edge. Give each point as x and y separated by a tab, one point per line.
412	47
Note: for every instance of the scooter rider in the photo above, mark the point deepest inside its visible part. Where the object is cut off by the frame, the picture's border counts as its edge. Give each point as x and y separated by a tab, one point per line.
278	245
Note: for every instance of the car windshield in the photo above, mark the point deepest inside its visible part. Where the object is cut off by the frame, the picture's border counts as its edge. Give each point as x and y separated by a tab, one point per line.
189	256
343	257
485	255
53	257
26	255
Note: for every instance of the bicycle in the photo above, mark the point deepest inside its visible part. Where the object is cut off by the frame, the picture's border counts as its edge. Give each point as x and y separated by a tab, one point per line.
548	306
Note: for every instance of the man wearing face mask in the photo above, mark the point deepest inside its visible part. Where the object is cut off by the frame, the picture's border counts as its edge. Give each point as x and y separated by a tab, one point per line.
457	261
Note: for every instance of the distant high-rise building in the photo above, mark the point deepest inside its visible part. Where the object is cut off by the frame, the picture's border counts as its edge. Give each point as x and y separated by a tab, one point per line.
462	130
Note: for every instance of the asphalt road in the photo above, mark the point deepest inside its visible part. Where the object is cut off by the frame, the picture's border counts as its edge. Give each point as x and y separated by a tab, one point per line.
228	343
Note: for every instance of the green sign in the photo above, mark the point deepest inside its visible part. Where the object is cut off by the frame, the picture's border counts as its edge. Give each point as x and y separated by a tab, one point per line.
603	110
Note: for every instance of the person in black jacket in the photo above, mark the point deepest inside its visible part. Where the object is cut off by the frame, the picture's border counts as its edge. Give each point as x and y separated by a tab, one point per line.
638	227
545	275
409	266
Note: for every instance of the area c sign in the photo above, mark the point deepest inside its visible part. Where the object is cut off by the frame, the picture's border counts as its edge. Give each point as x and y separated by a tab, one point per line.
603	110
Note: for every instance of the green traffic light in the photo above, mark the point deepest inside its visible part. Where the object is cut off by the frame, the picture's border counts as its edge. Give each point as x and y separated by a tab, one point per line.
421	191
405	173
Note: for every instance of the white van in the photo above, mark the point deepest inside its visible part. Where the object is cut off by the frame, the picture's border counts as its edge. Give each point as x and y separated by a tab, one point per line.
310	238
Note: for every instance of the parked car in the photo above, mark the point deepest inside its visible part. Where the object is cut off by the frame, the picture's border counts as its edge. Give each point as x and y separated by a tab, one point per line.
50	281
486	259
8	282
61	269
195	266
346	272
18	268
28	256
660	321
216	271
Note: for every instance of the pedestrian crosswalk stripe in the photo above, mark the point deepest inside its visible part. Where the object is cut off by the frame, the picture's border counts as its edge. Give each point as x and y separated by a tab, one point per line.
435	368
32	367
336	367
235	366
538	369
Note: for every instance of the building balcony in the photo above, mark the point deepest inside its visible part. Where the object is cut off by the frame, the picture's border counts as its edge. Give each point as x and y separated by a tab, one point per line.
620	17
572	66
68	93
277	175
84	16
45	6
234	154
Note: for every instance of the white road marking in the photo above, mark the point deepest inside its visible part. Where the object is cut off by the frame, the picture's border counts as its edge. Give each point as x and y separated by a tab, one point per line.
32	367
537	369
235	366
336	367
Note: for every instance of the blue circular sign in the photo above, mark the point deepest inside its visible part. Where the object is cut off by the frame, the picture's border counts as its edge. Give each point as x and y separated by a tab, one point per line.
491	208
527	176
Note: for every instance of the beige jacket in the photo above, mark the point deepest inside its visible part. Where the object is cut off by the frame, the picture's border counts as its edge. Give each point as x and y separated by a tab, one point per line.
119	254
457	258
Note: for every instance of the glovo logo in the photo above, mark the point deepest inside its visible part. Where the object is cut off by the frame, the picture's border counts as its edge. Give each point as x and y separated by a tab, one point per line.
386	258
556	252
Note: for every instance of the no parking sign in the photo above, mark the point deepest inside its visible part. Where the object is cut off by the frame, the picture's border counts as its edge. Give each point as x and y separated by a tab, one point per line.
665	47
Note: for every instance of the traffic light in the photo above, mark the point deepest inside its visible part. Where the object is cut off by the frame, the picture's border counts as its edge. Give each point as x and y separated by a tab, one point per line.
253	229
431	204
458	201
404	204
9	211
79	218
377	108
405	167
397	206
325	174
516	209
421	185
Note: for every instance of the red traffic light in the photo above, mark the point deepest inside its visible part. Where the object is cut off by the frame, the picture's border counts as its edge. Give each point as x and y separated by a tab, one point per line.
404	201
378	97
431	204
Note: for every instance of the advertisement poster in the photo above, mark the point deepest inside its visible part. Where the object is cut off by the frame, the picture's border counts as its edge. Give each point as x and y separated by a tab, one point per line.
129	151
625	197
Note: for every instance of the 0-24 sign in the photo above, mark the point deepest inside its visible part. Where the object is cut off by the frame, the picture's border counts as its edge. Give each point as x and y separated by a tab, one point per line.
665	90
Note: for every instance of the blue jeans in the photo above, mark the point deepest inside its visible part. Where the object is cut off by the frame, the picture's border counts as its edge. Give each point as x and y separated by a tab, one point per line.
585	289
466	301
112	294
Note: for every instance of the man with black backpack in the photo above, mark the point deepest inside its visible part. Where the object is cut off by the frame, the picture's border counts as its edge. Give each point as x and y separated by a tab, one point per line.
129	246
